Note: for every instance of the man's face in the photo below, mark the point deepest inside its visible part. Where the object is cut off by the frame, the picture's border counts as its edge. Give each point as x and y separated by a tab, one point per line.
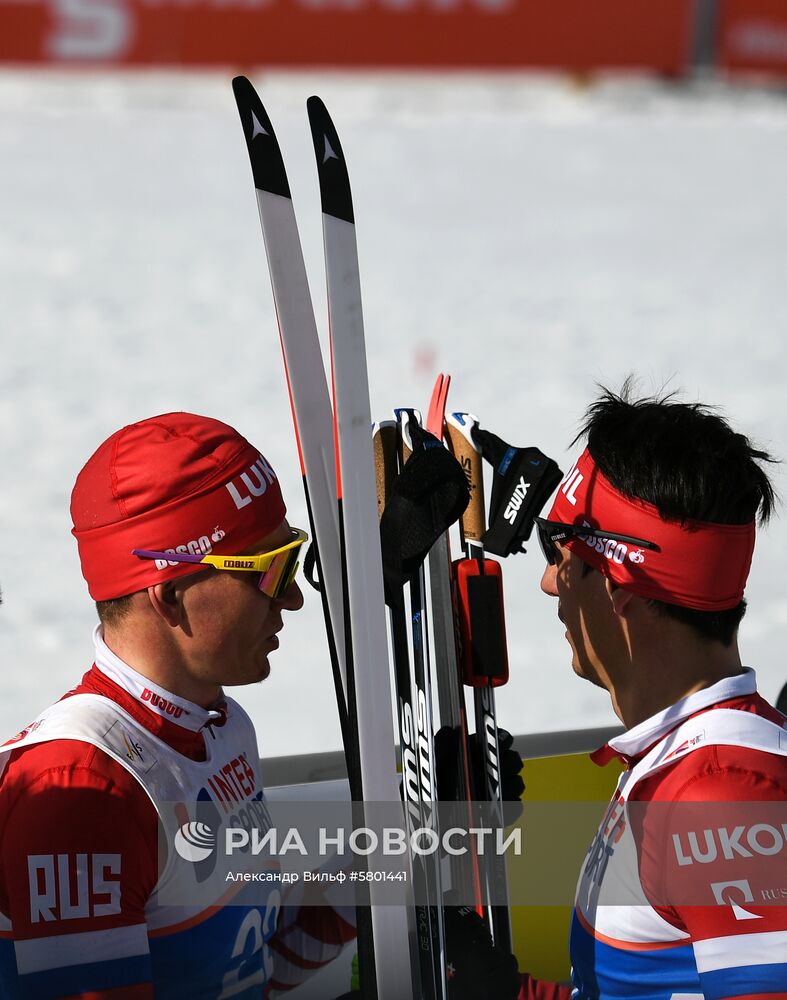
230	626
584	607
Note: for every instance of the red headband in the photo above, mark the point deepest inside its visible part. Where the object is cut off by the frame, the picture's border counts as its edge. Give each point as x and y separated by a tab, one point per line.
698	564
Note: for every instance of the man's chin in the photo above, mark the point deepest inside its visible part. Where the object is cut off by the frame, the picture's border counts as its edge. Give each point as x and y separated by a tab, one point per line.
585	672
258	673
580	667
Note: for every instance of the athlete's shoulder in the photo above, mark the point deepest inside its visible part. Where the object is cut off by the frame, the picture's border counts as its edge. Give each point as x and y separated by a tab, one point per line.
737	754
65	763
754	704
71	785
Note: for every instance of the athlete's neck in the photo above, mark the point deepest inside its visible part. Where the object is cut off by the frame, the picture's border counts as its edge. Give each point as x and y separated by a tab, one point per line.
668	665
162	711
159	661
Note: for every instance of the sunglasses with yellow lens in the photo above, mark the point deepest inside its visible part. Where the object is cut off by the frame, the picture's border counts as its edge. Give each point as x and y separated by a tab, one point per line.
275	569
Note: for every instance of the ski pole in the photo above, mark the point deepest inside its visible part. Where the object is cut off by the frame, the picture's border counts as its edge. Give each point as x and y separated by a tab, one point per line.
416	738
453	714
481	615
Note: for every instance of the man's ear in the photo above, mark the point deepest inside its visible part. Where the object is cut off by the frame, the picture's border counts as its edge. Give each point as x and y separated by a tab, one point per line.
619	598
166	601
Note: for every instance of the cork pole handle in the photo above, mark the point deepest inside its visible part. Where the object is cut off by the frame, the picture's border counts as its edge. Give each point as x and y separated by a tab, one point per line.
385	461
459	428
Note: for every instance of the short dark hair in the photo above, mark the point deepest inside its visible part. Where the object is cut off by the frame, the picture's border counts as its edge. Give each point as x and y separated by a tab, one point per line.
686	460
113	611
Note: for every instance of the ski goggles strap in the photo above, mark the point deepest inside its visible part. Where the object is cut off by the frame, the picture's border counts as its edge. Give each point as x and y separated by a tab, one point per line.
276	569
310	571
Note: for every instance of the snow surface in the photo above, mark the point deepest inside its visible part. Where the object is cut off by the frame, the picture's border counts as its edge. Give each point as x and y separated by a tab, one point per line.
530	236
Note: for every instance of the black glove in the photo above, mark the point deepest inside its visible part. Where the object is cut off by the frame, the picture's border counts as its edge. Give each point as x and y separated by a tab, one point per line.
475	968
512	786
510	512
427	497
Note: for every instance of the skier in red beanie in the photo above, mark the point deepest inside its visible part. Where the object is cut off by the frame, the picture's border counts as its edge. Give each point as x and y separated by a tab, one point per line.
186	549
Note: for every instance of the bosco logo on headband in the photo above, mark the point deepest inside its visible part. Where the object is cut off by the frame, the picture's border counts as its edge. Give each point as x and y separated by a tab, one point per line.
696	564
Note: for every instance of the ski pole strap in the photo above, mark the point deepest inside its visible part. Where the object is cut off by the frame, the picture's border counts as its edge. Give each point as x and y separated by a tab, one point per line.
310	567
522	481
427	497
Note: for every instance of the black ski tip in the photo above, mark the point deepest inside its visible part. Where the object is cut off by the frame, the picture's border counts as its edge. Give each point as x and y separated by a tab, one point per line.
335	191
267	164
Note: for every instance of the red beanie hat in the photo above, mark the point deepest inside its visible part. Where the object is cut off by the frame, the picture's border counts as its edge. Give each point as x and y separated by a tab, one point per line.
180	482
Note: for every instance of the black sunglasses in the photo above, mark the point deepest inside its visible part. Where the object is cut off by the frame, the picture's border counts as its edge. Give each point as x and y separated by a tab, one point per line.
550	532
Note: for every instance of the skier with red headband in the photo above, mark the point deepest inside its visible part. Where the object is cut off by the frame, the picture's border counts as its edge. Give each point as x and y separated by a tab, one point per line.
161	512
648	546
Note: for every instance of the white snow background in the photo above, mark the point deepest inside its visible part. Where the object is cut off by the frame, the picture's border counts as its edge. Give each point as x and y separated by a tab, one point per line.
526	235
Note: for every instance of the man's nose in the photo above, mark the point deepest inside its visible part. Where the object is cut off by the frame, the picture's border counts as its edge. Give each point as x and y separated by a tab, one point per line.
549	581
292	598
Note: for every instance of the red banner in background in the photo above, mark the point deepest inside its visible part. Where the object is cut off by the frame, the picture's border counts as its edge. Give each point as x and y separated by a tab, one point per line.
575	35
752	36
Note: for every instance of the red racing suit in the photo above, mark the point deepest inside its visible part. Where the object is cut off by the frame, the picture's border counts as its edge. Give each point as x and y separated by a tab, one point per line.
82	796
684	889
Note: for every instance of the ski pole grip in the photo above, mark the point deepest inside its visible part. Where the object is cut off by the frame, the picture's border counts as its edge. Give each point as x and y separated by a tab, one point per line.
459	428
385	470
